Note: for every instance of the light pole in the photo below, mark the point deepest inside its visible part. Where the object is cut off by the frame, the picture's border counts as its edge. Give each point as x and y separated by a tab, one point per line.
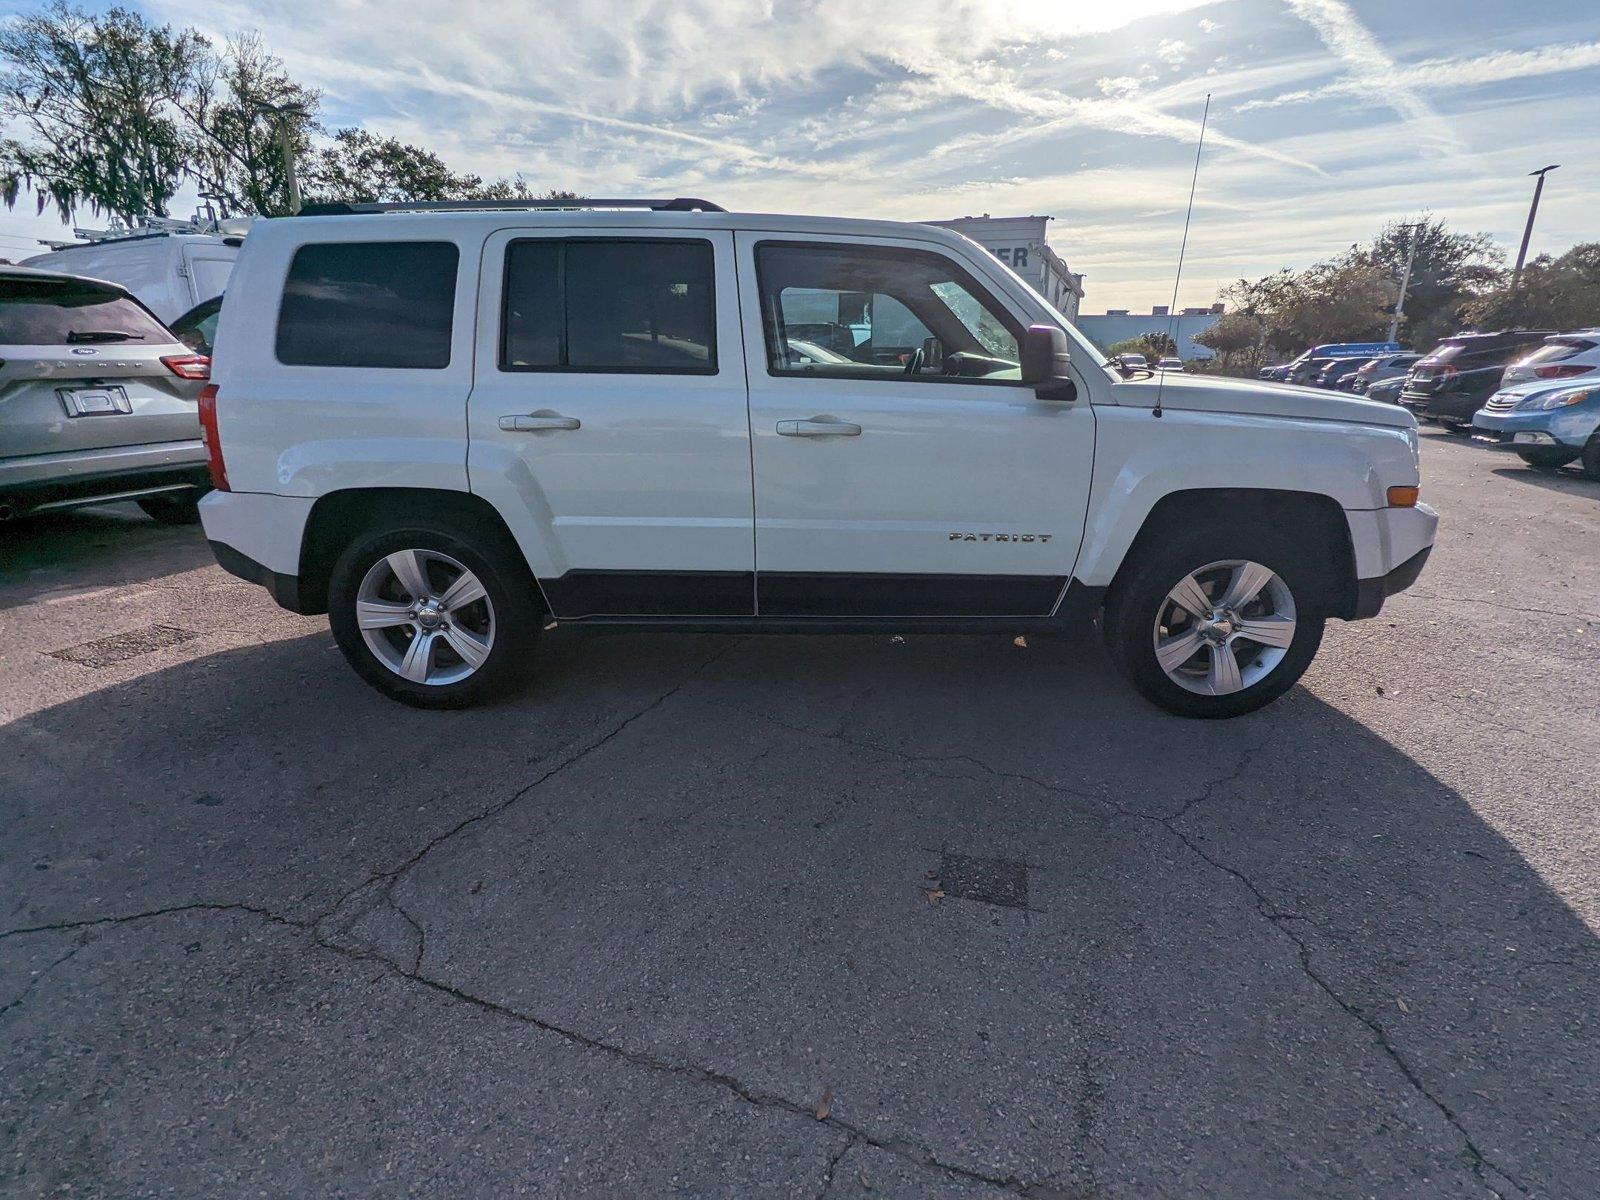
1405	281
282	113
1533	211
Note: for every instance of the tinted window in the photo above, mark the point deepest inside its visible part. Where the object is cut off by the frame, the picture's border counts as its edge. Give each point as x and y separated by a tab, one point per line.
49	312
645	306
197	328
880	314
369	304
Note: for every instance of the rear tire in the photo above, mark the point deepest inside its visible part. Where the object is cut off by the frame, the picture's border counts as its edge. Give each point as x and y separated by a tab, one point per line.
1142	615
173	508
1543	459
475	603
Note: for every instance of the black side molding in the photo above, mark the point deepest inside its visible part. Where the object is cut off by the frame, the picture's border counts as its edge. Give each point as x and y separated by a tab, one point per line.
1371	593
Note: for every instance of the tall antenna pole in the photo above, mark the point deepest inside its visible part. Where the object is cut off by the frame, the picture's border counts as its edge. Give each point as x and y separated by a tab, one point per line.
1172	311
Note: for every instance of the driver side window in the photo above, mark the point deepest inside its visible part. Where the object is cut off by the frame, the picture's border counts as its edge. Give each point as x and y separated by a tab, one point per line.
865	312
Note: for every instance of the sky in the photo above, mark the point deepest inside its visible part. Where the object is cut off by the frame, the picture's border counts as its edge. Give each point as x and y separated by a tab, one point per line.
1328	118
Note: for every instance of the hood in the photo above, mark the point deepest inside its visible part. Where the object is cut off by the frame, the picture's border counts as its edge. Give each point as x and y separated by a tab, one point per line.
1517	392
1213	393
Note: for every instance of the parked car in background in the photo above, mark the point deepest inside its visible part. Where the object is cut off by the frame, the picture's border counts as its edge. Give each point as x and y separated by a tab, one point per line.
1283	371
1170	364
97	400
1547	425
1305	371
197	328
1385	366
169	266
1386	391
1133	362
1562	356
1337	370
1454	379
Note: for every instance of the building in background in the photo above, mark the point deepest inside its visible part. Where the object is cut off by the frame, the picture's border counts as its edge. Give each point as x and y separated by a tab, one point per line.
1109	328
1020	243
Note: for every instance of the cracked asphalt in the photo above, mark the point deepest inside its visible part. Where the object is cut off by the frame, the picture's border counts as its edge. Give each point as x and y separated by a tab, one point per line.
672	921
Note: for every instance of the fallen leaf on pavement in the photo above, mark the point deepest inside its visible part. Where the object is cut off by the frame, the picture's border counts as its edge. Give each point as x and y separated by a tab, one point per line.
822	1105
934	895
1404	1007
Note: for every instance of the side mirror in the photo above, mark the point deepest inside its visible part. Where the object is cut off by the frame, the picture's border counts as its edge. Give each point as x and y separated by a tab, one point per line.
932	356
1045	359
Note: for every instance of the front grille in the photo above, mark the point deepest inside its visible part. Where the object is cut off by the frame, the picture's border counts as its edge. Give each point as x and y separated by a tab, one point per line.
1499	403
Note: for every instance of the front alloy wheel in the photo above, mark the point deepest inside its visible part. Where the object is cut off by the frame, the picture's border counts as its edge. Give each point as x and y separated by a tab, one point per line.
425	616
1224	627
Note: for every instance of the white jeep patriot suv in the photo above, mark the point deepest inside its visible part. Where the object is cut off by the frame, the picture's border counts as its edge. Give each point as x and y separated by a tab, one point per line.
447	428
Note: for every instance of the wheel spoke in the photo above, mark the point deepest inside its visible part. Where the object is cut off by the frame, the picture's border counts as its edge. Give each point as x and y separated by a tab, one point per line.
1174	651
462	592
407	568
1246	585
381	614
1190	596
419	658
1268	631
471	649
1224	674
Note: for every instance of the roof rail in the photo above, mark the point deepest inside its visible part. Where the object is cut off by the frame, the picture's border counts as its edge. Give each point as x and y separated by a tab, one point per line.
342	208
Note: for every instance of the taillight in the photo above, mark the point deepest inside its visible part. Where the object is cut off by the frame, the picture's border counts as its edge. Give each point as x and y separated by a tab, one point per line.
208	435
188	366
1561	370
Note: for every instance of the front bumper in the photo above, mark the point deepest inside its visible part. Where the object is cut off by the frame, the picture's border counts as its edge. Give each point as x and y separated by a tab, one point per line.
1565	427
1371	593
1447	406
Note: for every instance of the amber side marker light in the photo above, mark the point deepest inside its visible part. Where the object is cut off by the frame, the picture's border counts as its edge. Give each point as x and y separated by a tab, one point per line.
1403	497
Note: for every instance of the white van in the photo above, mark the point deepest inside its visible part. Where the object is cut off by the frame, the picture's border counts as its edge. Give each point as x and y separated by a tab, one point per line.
168	272
447	428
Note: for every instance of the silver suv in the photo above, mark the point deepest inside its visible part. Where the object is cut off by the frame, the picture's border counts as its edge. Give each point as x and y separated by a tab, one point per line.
97	400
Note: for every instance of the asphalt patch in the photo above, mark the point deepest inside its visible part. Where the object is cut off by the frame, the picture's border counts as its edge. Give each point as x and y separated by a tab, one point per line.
987	880
120	647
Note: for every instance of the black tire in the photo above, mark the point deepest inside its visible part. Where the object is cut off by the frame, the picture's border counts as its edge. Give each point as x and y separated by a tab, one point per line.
517	610
1140	593
1591	457
173	508
1547	459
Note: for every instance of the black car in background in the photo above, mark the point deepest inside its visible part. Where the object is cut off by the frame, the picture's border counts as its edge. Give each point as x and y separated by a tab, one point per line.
1338	372
1463	371
1376	370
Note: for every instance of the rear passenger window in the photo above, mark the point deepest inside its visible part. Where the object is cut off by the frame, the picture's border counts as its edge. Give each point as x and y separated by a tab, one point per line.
369	304
637	306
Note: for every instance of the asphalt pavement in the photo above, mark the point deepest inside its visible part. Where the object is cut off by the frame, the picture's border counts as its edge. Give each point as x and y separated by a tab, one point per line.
772	916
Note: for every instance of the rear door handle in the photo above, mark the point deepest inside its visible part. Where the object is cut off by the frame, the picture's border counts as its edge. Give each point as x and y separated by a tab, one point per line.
819	427
538	422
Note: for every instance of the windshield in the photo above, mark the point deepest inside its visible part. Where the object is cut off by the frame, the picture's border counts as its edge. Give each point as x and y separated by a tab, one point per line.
62	312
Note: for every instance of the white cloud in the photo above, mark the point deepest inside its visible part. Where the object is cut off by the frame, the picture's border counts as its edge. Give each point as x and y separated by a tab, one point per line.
1208	26
1456	74
1372	70
1172	51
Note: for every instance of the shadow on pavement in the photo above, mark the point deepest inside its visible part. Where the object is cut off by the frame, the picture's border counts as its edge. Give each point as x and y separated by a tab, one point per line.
1271	956
86	548
1567	480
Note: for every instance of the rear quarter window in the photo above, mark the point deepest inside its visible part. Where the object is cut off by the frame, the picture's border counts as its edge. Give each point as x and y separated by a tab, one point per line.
369	304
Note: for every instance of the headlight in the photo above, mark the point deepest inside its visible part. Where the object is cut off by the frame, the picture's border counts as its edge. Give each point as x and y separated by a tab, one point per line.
1546	401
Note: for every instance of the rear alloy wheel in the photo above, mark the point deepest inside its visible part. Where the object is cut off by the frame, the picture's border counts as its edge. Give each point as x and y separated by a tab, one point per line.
1547	458
425	617
1216	624
429	619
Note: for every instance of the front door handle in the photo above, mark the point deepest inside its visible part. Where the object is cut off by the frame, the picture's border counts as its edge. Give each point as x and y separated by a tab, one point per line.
538	422
819	427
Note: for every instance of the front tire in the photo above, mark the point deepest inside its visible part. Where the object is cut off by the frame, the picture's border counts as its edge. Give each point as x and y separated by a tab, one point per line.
1544	459
1211	623
1591	457
430	617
